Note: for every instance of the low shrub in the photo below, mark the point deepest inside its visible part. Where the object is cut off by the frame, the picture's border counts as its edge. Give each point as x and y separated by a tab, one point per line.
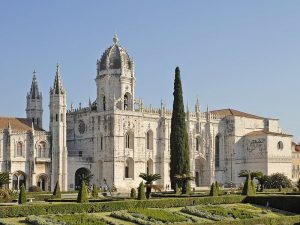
200	212
159	214
128	217
34	189
79	219
69	208
39	220
133	193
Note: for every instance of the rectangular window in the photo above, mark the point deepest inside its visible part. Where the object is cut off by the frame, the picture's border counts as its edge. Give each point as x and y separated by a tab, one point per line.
80	154
56	117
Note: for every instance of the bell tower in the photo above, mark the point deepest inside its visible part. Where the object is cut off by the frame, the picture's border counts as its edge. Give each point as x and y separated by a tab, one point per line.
115	79
58	112
34	108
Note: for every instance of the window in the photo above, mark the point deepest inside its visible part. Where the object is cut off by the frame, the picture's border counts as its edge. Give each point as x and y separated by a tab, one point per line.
62	117
125	102
19	149
129	140
104	103
280	145
80	154
217	151
41	152
56	117
149	140
129	166
197	144
37	121
101	143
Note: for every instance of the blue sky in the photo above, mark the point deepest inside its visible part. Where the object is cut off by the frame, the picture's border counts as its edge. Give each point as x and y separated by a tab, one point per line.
232	54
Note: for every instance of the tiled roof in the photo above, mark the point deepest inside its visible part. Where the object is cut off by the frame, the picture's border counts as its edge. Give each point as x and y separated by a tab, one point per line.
233	112
262	132
21	124
297	147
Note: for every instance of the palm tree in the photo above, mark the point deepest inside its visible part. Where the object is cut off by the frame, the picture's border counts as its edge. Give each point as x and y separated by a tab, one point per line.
4	179
183	180
149	179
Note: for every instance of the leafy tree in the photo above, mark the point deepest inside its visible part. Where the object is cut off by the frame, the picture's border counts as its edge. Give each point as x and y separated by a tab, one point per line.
279	179
95	191
183	180
82	196
180	163
133	193
56	192
263	181
22	195
213	190
149	178
141	191
4	179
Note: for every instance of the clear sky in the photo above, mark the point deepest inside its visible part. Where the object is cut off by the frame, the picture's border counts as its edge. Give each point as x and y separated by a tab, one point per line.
232	54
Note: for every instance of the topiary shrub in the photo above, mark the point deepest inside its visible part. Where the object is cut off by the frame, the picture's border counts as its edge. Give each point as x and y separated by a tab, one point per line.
22	196
248	187
95	192
133	193
34	189
56	192
141	191
82	196
217	187
213	190
177	189
188	188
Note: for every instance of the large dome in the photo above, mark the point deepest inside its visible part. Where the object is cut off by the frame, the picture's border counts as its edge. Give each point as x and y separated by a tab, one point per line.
115	57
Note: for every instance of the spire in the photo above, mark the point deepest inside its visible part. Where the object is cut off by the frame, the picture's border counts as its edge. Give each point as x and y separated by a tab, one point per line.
34	90
116	39
197	106
58	87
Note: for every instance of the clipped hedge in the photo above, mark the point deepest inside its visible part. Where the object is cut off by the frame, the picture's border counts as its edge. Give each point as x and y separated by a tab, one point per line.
283	220
70	208
284	202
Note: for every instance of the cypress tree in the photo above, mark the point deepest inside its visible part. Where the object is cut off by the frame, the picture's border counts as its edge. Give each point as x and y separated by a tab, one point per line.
141	191
22	195
179	137
213	190
82	196
56	192
95	192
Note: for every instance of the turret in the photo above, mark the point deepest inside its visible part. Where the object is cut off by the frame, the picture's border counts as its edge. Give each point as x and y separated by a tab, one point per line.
115	79
58	109
34	108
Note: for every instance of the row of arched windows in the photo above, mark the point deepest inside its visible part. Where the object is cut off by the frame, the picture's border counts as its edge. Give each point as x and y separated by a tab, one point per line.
129	140
41	150
126	102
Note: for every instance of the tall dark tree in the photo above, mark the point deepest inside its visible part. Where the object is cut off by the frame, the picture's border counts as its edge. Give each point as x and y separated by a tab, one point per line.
180	163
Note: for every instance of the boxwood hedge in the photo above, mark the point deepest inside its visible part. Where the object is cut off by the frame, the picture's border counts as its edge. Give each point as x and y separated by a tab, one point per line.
69	208
283	202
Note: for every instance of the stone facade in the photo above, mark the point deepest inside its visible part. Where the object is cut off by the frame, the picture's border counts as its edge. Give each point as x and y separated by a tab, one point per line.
115	138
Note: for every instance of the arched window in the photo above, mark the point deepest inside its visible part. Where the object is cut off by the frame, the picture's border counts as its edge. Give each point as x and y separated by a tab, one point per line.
101	143
149	140
125	102
217	151
129	167
197	144
18	180
129	140
41	152
104	103
149	169
42	182
19	152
